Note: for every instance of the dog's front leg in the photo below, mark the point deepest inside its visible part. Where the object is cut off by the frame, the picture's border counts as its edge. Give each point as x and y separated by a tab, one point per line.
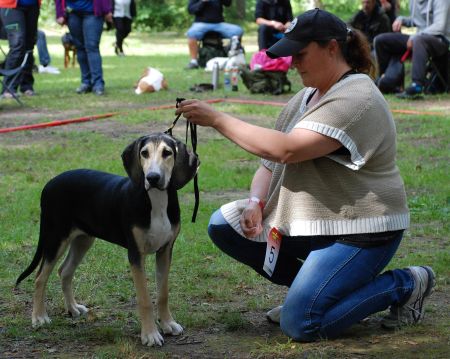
166	321
149	331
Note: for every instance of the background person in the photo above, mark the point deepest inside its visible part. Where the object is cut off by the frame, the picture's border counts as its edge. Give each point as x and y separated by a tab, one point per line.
390	7
371	20
329	183
85	21
208	17
273	18
123	13
432	20
20	19
44	55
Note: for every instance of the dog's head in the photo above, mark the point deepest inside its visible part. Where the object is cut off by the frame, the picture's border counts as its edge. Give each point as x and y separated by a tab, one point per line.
159	161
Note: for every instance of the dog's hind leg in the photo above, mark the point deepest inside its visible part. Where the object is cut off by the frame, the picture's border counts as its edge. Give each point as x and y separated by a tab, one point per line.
39	315
166	321
78	248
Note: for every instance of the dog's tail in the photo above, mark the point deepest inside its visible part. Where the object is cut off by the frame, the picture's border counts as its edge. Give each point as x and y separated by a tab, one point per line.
34	263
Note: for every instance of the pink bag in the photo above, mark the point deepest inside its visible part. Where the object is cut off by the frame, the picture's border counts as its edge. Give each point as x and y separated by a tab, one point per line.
260	61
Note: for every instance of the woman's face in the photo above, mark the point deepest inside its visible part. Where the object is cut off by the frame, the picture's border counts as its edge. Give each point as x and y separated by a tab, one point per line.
312	64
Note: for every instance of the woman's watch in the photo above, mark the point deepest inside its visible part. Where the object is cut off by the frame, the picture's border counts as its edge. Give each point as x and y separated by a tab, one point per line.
258	201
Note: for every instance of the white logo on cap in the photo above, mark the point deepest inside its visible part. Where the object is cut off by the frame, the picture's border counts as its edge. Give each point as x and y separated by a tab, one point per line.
291	26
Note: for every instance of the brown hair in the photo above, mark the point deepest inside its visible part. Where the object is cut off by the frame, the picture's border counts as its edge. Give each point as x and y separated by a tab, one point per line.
356	52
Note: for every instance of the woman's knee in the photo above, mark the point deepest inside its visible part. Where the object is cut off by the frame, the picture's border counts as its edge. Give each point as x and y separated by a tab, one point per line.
297	324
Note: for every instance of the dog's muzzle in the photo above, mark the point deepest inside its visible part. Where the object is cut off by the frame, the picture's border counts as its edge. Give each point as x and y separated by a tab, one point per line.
154	180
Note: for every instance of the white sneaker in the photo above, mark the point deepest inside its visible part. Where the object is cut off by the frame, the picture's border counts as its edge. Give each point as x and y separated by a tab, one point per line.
48	70
274	314
413	310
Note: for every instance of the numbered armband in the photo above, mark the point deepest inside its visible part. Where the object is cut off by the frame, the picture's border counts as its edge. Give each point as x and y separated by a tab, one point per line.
258	201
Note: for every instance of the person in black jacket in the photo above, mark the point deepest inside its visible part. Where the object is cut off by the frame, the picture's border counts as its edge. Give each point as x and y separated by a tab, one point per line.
123	13
208	17
273	18
371	20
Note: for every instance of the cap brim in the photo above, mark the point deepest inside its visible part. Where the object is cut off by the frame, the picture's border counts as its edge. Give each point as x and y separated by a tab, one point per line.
285	47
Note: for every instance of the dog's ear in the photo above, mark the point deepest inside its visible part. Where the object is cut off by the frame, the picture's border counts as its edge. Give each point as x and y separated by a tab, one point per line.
186	166
131	162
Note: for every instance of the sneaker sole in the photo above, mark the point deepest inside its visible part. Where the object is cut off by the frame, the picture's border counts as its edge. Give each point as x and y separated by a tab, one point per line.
431	280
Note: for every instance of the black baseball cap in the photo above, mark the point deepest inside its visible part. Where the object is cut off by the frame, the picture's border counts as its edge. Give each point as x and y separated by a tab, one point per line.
312	25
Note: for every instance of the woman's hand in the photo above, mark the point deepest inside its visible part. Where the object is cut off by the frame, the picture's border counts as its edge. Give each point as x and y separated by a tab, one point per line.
251	220
109	17
198	112
61	20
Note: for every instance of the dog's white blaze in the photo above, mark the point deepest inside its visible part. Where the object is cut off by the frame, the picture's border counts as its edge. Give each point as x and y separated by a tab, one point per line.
160	231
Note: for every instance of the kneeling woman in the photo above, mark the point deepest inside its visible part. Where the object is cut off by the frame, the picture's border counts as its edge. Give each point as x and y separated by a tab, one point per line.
329	184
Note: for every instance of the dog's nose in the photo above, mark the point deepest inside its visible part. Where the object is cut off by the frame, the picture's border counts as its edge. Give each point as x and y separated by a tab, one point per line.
153	178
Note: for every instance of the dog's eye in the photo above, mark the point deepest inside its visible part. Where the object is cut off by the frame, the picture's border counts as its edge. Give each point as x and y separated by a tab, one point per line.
144	153
166	153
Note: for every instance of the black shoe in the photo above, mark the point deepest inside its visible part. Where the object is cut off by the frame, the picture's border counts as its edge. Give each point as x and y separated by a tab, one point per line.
99	92
83	89
191	66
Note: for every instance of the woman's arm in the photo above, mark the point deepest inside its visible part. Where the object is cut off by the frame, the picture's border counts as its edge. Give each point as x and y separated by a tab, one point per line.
296	146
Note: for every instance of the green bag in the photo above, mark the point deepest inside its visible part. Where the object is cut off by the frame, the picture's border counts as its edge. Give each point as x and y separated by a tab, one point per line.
211	46
273	82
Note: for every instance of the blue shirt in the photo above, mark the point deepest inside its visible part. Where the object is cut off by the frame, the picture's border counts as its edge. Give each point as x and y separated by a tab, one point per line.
80	5
27	2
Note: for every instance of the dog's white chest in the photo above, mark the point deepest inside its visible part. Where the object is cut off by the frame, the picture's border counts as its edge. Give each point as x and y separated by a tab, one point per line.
160	232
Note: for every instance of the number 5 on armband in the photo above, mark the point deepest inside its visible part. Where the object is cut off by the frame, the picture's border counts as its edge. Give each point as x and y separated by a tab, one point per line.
273	248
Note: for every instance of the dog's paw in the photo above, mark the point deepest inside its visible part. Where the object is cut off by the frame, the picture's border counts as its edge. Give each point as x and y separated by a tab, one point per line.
40	320
77	309
152	338
171	327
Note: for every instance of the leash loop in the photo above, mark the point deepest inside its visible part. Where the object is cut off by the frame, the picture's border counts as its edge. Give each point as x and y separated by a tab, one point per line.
193	131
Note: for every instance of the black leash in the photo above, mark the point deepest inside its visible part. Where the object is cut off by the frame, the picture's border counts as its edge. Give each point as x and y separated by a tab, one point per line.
193	130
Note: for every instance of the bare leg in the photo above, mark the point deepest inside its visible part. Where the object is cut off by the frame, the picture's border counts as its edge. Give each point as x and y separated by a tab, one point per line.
193	48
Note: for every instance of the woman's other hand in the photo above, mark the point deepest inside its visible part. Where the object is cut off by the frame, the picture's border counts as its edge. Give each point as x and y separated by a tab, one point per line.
251	220
61	20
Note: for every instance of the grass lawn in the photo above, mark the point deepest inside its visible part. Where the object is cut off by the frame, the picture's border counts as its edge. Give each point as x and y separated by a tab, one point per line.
220	303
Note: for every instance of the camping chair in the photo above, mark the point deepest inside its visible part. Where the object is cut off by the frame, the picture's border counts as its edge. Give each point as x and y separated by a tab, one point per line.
14	75
437	80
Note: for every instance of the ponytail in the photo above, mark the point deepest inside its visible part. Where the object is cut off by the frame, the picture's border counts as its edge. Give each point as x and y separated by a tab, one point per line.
356	52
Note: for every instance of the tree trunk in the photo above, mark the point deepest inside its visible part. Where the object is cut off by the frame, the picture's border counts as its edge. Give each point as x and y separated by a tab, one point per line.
240	9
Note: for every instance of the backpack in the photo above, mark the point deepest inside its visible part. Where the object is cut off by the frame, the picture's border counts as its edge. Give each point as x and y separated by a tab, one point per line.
393	78
273	82
211	46
260	61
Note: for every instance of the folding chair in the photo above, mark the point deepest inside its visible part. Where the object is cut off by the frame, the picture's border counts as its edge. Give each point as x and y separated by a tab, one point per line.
438	71
14	74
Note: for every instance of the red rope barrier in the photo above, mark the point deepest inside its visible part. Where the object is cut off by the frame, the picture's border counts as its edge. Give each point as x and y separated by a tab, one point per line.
163	107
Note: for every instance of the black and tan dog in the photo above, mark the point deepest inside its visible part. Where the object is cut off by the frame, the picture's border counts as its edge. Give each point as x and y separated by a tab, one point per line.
140	213
69	47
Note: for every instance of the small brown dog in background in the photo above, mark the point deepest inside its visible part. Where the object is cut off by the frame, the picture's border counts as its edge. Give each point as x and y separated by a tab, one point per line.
67	42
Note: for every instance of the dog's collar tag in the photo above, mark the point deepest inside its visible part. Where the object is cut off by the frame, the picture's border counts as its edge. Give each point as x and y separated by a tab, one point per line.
273	248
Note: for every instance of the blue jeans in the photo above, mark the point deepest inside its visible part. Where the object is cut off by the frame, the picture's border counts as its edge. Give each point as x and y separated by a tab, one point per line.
226	30
41	44
86	30
20	25
331	285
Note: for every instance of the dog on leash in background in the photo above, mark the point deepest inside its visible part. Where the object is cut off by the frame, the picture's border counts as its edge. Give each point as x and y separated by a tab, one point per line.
140	213
69	47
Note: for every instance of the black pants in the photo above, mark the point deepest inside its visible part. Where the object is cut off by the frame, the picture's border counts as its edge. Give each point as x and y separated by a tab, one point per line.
21	30
266	36
123	28
424	46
